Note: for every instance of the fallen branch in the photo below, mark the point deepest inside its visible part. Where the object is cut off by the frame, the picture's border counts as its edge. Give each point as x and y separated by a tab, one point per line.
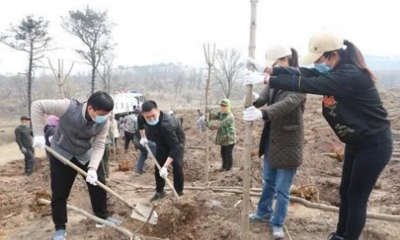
8	216
319	206
376	216
151	238
199	148
209	188
124	231
287	232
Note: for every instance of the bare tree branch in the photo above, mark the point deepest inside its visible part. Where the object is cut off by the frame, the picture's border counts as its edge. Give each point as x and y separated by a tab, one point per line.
29	36
94	30
226	69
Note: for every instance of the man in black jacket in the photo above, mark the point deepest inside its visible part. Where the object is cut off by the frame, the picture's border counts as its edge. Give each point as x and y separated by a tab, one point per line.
23	136
166	131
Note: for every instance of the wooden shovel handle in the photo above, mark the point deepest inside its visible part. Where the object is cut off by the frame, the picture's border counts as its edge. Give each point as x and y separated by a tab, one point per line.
150	153
69	163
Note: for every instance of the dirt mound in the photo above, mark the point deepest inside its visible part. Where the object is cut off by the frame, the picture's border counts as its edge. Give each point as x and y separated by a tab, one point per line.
124	165
196	216
18	191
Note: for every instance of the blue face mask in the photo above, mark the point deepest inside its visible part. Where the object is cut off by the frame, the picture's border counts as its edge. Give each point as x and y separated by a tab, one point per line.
152	122
322	67
100	119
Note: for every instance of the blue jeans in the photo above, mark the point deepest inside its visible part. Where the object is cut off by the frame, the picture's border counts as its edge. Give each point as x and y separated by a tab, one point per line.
276	181
143	156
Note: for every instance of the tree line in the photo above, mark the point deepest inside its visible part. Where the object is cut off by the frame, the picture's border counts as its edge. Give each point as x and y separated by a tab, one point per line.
94	29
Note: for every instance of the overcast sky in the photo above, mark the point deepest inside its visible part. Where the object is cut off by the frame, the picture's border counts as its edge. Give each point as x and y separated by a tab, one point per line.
155	31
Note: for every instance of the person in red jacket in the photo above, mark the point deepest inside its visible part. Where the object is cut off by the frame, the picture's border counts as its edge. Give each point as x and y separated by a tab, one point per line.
352	107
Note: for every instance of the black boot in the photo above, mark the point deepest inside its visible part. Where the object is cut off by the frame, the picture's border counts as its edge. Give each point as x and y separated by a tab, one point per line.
157	196
333	236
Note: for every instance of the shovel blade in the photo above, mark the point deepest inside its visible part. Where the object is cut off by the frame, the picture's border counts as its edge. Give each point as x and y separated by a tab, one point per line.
141	212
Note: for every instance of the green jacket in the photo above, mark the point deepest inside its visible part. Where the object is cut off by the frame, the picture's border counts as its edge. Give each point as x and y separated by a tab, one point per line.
225	123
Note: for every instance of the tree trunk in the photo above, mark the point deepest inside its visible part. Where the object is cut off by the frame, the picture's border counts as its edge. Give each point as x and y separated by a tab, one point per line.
62	91
93	77
30	79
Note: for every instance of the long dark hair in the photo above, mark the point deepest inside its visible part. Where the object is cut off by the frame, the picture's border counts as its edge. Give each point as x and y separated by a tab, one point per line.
293	59
352	55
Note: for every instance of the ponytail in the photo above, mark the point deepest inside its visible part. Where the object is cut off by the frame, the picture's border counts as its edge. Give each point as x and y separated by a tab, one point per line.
294	58
352	55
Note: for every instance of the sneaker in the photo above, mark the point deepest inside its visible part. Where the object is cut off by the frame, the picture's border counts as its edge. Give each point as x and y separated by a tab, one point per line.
158	196
255	218
333	236
277	233
59	235
111	220
179	193
140	172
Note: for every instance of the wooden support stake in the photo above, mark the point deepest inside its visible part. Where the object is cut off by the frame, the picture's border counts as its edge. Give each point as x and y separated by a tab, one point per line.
210	62
249	129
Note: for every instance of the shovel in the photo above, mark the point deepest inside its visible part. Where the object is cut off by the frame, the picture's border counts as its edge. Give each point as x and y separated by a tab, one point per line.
140	212
150	153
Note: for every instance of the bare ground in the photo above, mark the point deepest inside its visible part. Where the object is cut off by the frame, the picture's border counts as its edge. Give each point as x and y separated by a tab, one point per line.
196	215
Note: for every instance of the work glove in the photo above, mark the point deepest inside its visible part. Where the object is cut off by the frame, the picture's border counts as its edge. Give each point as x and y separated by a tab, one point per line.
257	66
50	138
144	141
23	150
39	142
92	176
164	172
208	124
251	78
252	114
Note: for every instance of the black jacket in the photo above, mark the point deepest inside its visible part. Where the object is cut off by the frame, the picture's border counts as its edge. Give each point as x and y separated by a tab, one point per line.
48	132
167	134
23	136
351	103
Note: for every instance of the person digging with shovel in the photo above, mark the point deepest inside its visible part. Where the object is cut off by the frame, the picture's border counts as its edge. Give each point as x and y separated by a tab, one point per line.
80	137
166	131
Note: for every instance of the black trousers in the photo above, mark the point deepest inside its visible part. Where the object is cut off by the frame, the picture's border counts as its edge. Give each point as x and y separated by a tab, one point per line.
177	164
361	169
226	154
62	178
29	158
128	139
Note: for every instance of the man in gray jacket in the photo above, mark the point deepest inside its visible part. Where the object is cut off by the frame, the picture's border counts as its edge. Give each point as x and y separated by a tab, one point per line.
79	137
23	136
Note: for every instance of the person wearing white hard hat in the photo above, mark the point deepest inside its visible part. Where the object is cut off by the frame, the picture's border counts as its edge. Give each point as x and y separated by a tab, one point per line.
281	141
354	110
